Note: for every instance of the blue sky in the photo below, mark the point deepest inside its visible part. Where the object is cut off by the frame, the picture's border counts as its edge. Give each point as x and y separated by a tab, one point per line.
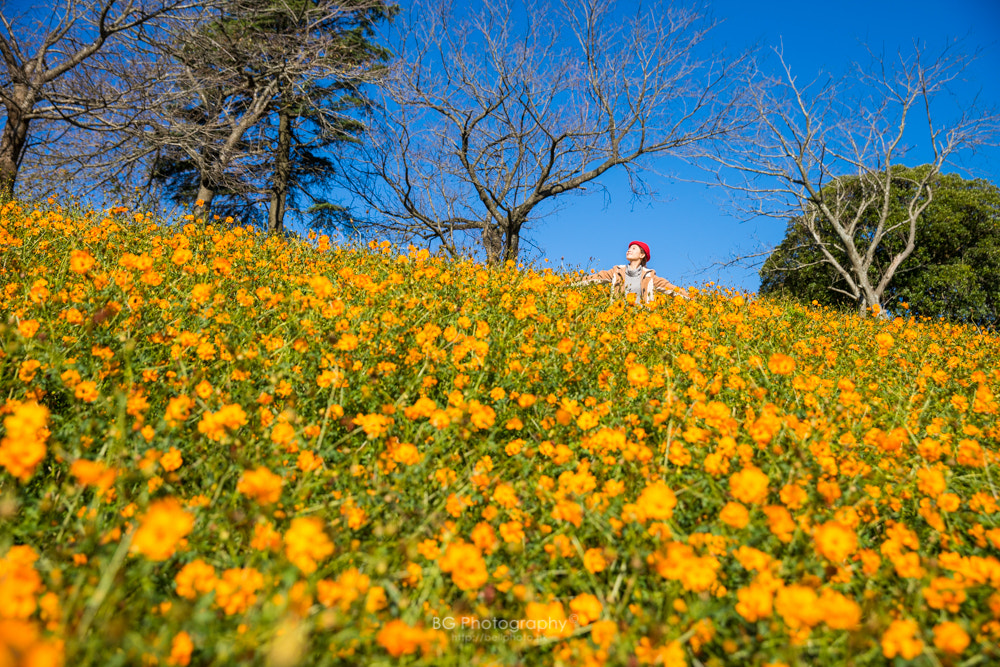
694	228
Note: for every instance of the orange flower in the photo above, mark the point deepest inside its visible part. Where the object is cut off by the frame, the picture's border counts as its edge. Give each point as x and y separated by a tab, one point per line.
839	611
594	561
798	606
172	460
586	607
734	515
749	485
261	485
657	502
900	639
236	590
930	482
214	425
28	328
547	620
348	587
19	583
93	473
308	461
194	579
81	261
306	542
835	541
178	410
781	364
23	444
755	602
180	649
162	527
28	369
950	638
466	565
86	391
638	375
399	639
603	633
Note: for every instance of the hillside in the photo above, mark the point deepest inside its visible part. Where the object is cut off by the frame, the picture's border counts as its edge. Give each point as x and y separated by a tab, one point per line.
220	448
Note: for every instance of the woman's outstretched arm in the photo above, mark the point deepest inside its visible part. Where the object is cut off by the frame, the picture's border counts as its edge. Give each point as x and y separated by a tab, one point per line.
664	285
599	277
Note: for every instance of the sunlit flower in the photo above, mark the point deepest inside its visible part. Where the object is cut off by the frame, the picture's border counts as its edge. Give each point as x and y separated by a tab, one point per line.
161	529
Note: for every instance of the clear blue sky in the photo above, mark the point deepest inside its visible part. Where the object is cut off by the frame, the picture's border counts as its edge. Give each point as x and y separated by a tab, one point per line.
692	229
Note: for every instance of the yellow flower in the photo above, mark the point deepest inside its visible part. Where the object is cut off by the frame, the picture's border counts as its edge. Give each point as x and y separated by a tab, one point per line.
162	527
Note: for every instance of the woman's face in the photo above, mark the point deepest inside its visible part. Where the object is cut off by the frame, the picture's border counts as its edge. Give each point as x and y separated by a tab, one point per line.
634	252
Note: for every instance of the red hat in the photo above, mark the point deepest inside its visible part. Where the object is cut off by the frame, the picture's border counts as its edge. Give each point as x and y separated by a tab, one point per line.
642	246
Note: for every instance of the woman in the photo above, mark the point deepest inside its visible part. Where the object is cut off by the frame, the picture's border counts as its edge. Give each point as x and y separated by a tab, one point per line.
635	278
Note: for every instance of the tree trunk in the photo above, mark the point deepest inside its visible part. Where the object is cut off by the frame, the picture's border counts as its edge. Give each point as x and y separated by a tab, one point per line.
12	142
205	195
512	244
493	244
282	172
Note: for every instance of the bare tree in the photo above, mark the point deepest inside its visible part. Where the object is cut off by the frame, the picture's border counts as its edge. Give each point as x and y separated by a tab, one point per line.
69	67
492	112
829	156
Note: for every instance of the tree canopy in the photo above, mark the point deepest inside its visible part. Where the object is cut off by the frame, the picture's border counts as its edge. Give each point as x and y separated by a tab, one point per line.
953	271
267	90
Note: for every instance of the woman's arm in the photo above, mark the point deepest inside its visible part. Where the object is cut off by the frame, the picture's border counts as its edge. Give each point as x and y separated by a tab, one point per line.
664	285
599	277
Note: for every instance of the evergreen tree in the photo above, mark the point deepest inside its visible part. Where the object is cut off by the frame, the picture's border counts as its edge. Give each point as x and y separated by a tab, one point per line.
275	86
954	270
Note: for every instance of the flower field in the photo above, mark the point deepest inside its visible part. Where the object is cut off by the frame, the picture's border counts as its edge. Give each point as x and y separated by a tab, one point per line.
219	448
